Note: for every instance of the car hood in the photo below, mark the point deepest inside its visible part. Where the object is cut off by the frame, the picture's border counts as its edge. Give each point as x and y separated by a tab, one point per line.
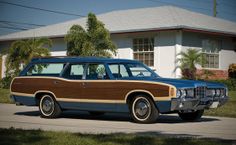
180	83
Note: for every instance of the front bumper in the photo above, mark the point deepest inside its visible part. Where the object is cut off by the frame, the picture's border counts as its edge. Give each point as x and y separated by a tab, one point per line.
178	104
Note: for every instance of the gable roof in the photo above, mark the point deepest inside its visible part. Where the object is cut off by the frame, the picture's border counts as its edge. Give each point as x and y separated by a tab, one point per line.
133	20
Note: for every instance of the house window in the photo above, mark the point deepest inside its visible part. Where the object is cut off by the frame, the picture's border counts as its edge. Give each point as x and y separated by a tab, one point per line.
210	50
143	49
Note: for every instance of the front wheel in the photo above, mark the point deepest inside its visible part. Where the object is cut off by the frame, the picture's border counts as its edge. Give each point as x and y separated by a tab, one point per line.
143	110
48	107
191	116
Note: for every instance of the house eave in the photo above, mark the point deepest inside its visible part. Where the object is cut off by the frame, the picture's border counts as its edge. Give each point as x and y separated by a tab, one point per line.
183	28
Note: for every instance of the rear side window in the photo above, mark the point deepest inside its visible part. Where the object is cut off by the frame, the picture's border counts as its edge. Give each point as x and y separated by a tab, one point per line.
96	72
118	70
74	71
49	69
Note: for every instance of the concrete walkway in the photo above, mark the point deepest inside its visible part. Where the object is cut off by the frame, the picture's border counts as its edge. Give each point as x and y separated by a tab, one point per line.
74	121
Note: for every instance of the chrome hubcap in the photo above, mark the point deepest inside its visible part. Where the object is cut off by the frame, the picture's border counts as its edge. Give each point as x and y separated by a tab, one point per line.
142	108
47	105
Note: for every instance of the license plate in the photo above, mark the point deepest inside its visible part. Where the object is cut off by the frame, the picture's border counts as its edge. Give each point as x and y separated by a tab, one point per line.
214	105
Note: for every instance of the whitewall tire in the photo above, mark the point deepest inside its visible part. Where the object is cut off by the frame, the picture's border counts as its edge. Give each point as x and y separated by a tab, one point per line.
143	109
48	107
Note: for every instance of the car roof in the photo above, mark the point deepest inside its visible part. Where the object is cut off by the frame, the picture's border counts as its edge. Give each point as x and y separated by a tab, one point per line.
80	59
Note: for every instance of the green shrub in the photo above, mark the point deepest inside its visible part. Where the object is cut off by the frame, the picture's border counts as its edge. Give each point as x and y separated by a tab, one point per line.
230	83
5	82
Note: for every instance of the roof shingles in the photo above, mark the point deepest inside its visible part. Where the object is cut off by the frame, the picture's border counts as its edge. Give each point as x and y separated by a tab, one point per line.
165	17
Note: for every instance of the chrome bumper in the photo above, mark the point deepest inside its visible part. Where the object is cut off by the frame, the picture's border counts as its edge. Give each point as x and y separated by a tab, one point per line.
178	104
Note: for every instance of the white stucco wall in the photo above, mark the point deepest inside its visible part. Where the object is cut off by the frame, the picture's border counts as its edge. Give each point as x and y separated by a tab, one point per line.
165	54
58	44
164	50
124	46
58	53
227	55
3	66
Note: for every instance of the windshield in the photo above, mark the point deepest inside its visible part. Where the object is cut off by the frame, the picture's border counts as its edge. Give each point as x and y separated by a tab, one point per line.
124	70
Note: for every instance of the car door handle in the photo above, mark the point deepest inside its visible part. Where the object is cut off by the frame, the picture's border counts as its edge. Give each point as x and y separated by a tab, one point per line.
56	82
84	84
18	83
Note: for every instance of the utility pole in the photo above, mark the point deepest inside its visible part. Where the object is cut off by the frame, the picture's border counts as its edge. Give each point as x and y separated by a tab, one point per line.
214	8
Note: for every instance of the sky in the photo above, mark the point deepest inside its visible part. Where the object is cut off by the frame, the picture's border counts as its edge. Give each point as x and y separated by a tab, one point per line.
12	16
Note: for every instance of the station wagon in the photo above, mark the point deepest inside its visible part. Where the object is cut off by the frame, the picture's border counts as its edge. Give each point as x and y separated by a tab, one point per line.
100	85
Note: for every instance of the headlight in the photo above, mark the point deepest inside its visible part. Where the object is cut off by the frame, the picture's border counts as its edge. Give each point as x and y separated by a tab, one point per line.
217	92
210	92
183	93
190	92
178	93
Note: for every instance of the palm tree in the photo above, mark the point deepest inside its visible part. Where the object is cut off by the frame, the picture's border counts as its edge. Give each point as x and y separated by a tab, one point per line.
188	61
94	41
22	51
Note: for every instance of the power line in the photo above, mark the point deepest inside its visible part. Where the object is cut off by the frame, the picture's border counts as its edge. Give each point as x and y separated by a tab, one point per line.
14	25
23	23
13	28
41	9
9	25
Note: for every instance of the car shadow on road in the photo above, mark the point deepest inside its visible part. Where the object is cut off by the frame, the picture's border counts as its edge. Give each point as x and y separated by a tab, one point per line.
28	113
122	117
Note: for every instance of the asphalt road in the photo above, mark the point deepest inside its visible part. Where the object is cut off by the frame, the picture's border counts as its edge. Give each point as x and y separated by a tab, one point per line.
74	121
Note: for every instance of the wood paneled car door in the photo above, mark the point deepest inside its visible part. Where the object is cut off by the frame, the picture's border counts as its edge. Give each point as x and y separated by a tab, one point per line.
73	87
98	91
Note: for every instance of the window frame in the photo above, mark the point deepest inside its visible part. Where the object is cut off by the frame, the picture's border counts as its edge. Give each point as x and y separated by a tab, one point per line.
68	67
210	53
125	65
153	74
144	52
106	70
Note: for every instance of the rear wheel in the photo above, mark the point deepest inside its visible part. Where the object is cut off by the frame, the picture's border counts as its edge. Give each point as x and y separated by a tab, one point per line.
143	109
48	107
191	116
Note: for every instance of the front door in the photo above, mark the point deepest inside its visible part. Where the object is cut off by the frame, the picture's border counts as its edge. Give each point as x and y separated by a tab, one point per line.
98	88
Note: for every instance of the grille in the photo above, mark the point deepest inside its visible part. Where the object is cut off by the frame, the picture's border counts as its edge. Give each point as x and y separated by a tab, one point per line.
200	92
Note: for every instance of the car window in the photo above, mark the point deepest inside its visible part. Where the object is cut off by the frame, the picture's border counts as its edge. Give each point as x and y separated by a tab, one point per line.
138	70
74	71
118	70
124	70
49	69
96	72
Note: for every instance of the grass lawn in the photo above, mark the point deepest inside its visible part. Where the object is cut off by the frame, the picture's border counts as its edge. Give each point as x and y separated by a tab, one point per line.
38	137
228	110
4	96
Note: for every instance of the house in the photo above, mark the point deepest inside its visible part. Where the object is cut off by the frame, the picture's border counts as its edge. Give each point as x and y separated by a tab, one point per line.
154	36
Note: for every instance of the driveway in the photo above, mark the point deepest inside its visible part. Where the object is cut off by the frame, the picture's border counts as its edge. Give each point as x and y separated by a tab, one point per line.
74	121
